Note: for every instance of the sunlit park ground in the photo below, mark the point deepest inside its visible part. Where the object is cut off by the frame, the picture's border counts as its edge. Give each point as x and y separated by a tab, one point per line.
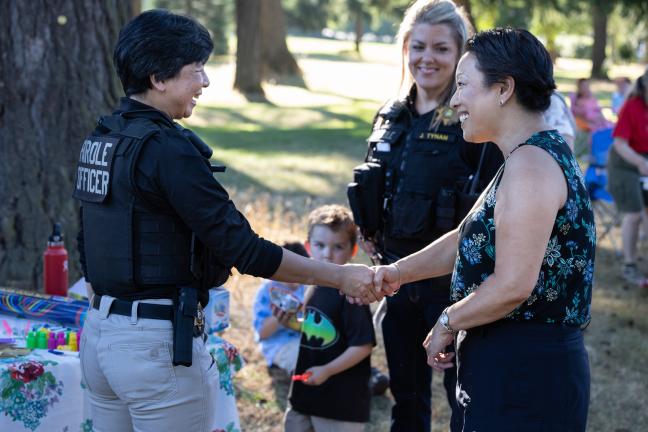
296	152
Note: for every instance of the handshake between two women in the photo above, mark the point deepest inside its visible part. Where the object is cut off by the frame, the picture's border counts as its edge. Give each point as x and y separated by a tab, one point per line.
363	285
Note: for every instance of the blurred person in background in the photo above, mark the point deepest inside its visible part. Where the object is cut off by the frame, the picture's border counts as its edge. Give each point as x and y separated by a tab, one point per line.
623	88
558	116
586	108
628	162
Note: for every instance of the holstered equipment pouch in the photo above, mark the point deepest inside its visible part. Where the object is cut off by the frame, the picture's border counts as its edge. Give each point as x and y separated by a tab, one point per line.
185	313
365	196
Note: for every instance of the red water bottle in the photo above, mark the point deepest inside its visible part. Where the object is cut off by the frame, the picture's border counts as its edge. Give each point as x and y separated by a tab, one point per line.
55	269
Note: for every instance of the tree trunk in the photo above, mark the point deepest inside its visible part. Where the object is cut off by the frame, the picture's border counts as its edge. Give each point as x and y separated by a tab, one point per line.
56	77
599	22
359	28
248	48
136	7
468	8
276	59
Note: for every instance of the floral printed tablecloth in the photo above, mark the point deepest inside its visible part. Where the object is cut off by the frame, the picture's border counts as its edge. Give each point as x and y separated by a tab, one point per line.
42	392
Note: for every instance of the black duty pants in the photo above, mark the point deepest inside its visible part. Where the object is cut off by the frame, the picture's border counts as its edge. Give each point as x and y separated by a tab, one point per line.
411	314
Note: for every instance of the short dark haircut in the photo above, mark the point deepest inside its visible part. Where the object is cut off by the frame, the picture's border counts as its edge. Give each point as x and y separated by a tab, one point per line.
296	247
159	43
504	52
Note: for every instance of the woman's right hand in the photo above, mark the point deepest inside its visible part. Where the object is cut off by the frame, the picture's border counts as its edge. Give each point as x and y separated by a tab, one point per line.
387	279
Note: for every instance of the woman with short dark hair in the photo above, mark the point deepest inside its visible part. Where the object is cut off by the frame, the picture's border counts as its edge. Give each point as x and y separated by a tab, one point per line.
158	231
430	177
522	261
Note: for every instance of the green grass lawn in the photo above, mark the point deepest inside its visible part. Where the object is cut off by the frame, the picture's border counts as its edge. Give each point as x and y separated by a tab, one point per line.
289	155
296	150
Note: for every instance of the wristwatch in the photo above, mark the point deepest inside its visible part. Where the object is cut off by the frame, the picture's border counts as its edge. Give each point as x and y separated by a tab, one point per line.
444	320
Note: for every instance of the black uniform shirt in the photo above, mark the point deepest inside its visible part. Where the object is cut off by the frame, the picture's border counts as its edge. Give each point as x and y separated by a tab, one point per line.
171	174
430	170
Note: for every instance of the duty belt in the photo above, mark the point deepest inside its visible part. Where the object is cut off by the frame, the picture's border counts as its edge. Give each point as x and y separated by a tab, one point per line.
144	310
151	311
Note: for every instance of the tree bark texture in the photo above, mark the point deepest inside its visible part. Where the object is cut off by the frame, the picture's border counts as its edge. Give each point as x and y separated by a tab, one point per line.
56	77
600	14
468	9
276	59
358	27
248	47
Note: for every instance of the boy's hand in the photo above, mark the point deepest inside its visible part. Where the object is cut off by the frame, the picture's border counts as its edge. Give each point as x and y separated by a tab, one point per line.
286	319
319	375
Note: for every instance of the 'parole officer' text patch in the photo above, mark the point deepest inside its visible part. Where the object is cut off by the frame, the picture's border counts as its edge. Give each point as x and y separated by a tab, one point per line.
94	168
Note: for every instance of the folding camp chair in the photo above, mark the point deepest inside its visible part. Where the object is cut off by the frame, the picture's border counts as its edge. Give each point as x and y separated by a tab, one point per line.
596	180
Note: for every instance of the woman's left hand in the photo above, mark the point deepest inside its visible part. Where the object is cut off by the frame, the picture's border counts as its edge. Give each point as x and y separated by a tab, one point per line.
435	345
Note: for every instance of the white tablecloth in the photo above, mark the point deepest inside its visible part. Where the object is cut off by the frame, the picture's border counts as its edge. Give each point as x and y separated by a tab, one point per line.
42	392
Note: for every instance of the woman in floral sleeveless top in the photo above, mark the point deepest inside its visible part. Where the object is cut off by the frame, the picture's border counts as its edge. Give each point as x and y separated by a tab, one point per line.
522	260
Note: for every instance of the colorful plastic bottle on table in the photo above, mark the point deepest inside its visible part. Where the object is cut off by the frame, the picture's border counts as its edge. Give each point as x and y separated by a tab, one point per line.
60	339
55	268
41	341
30	341
51	341
72	341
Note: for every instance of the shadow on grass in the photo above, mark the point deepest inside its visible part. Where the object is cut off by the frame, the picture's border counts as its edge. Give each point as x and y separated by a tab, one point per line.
288	80
307	148
280	386
318	145
317	142
235	119
257	97
343	56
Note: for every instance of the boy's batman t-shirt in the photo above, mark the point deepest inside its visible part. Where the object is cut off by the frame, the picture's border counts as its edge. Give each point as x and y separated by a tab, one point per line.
330	326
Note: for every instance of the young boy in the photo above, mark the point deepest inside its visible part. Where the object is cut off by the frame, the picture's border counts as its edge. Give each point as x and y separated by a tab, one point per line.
336	340
278	344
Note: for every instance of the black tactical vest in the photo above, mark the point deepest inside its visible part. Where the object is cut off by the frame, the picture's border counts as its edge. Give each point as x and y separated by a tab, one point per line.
423	171
128	243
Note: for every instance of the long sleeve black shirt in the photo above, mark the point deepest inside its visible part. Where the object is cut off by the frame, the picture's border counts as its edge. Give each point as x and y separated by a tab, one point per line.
171	174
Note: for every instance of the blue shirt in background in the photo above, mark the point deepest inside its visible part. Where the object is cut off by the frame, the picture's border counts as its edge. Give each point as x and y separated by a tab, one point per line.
262	310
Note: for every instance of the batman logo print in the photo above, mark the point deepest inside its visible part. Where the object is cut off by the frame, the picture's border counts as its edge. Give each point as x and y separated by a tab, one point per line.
318	331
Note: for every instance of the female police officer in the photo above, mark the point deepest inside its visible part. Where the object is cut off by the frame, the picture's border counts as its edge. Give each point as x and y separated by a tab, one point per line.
147	198
423	166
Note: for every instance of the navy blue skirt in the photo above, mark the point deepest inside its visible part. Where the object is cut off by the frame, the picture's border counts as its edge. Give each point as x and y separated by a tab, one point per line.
521	376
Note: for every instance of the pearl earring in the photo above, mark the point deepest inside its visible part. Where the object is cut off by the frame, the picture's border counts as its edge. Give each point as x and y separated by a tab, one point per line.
501	102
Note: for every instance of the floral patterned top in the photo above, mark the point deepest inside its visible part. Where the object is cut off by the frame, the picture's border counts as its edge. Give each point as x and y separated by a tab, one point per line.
563	292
